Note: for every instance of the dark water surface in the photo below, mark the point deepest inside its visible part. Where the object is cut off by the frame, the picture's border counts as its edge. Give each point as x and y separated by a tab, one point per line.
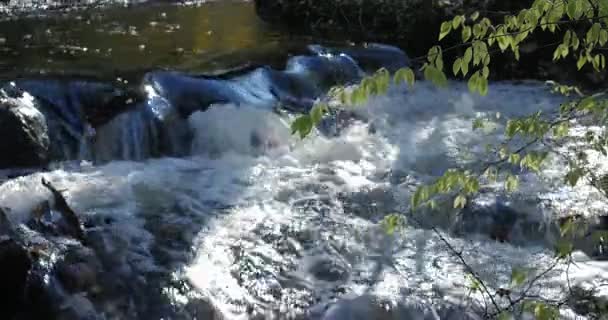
119	40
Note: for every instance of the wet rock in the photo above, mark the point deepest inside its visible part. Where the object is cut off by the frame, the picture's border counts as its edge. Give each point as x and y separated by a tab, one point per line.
371	57
203	309
25	141
367	307
329	270
501	221
15	264
587	302
369	204
78	270
78	307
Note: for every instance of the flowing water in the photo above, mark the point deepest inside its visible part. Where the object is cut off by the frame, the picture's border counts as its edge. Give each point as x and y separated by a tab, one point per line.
251	222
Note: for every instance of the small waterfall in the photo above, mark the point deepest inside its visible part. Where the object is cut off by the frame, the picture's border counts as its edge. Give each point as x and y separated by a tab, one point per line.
96	121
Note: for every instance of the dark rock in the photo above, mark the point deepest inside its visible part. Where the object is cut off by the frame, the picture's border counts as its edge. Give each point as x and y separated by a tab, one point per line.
587	303
329	270
371	56
24	132
368	307
203	309
15	264
501	221
369	204
78	270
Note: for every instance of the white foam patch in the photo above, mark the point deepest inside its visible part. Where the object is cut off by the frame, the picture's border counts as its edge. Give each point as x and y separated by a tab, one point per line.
275	210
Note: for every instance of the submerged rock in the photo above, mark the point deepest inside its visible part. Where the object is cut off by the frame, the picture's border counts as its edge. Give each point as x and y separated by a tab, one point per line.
24	132
367	307
504	221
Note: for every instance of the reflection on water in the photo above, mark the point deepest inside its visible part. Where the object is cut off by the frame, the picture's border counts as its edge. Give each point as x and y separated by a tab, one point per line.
198	37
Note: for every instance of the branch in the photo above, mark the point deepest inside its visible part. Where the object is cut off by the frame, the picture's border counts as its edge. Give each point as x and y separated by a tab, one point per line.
458	255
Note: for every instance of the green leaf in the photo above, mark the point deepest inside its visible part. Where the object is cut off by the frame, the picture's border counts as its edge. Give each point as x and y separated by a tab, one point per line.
392	222
572	9
457	66
573	176
468	56
421	195
582	60
511	183
505	315
359	96
474	15
561	130
545	312
514	158
593	34
436	76
302	125
473	83
446	27
485	72
478	124
603	37
405	74
457	21
317	112
563	249
466	33
483	86
518	277
460	202
586	104
566	228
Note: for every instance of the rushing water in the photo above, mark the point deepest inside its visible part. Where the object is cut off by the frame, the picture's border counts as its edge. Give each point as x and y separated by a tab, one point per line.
253	222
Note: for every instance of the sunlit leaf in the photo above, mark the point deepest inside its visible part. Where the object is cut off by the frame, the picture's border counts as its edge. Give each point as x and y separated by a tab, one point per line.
518	277
460	202
511	183
445	29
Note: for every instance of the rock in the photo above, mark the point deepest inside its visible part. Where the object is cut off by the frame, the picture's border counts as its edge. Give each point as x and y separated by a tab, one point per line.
78	307
77	277
329	270
24	132
6	229
587	303
367	307
15	264
203	309
501	221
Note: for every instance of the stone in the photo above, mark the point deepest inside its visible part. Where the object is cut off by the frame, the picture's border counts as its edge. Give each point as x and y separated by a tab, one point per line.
15	264
24	132
329	270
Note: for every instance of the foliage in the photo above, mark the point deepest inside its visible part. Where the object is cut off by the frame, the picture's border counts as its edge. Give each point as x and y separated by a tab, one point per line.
583	28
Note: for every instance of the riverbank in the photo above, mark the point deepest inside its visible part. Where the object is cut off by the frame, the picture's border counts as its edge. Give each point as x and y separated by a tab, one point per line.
414	26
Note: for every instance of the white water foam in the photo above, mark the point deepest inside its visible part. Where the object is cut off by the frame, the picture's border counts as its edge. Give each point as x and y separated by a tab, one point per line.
279	226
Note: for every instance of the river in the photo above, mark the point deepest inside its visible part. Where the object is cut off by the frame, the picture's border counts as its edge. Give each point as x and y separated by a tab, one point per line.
251	222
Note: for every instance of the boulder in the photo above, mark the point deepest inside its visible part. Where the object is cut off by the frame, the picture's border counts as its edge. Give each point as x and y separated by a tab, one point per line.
24	132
